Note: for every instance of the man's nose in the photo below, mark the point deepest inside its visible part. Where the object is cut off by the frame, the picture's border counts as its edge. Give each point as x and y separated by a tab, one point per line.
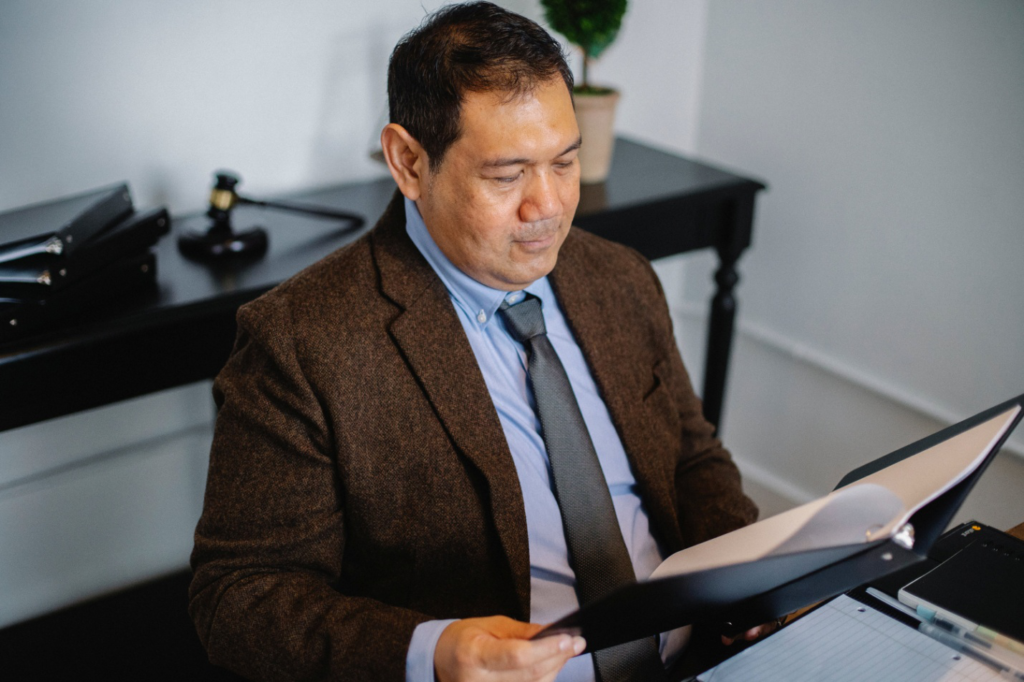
541	201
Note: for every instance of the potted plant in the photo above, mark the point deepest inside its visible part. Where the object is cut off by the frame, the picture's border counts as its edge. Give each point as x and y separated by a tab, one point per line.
590	25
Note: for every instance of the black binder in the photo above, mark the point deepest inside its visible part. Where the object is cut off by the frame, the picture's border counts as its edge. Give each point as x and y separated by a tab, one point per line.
58	228
36	276
112	285
740	595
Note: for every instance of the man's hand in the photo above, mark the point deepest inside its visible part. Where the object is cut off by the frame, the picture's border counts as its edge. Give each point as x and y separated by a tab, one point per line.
497	648
755	632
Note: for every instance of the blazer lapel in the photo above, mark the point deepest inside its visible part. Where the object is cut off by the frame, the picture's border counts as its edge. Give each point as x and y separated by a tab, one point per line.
610	351
432	340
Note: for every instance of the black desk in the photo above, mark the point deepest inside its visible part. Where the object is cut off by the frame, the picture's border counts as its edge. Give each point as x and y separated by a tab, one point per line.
656	202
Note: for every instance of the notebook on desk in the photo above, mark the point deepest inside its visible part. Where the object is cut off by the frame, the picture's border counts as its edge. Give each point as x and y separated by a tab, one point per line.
848	641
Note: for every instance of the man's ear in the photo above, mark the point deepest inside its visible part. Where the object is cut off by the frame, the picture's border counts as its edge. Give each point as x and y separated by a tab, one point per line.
406	160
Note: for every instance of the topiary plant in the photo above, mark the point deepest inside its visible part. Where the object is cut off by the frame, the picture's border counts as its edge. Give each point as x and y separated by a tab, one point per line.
591	25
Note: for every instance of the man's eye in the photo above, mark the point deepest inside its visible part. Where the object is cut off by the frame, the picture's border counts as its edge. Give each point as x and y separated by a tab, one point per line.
508	179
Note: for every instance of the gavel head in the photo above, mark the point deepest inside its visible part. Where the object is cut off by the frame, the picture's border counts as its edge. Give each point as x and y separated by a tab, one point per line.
223	198
220	243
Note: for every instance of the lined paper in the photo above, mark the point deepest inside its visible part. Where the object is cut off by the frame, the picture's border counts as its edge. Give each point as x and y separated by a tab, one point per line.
847	640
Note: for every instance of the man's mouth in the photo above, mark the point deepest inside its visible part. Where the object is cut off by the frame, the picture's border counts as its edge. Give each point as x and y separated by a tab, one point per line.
537	239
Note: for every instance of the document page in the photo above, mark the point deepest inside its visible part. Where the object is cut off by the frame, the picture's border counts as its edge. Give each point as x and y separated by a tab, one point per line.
846	640
922	478
870	509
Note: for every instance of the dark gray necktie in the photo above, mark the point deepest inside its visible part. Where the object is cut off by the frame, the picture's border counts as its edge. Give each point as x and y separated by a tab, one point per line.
597	552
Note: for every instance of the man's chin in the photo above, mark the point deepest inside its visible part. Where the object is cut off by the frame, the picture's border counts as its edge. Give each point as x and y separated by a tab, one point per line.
527	275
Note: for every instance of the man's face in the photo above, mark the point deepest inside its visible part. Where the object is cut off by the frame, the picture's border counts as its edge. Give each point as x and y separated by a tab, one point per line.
502	201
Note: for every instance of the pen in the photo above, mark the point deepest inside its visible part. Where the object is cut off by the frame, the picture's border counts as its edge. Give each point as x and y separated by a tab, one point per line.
892	603
963	646
991	652
982	643
994	637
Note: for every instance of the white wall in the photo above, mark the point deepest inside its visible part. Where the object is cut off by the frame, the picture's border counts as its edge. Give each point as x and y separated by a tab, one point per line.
160	94
657	63
878	303
163	93
881	298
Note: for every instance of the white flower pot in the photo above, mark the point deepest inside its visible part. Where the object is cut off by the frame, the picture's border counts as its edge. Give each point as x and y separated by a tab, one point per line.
595	115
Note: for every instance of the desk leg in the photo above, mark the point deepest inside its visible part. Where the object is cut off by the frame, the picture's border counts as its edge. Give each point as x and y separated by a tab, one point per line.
720	327
739	221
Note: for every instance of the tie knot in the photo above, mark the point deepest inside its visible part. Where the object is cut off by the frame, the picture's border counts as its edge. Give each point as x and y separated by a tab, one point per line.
524	320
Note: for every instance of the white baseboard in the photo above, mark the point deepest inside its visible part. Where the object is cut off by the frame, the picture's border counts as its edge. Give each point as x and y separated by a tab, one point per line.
801	352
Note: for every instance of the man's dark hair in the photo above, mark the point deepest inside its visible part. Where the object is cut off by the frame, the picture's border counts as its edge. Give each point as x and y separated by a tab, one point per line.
473	47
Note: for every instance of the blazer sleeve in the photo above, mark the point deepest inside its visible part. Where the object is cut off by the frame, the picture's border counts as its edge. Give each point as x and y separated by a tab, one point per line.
270	543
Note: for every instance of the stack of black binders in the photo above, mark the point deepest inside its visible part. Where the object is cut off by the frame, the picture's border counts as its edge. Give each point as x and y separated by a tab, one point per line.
63	260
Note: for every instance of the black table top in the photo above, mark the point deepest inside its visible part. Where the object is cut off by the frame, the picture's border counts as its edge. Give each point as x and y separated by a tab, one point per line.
656	202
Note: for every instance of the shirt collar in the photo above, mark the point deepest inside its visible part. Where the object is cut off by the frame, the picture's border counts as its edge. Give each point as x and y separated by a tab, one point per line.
478	300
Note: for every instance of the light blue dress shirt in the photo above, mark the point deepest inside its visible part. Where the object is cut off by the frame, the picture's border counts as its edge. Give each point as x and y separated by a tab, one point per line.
502	361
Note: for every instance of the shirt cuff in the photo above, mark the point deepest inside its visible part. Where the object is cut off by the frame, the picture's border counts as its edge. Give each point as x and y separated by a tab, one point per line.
419	662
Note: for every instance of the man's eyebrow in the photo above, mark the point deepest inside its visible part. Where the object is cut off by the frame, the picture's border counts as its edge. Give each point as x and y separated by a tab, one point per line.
497	163
575	145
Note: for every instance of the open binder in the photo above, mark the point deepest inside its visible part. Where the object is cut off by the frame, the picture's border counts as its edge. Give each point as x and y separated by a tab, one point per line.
880	518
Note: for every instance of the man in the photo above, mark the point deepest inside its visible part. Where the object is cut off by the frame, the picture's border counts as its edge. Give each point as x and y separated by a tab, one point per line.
388	495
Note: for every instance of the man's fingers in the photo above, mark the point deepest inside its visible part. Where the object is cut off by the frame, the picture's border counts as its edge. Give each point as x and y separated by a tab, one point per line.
507	628
499	648
531	655
567	648
749	636
753	633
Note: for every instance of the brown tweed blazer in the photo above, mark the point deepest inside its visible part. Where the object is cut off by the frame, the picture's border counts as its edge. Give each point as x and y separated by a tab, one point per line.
360	482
